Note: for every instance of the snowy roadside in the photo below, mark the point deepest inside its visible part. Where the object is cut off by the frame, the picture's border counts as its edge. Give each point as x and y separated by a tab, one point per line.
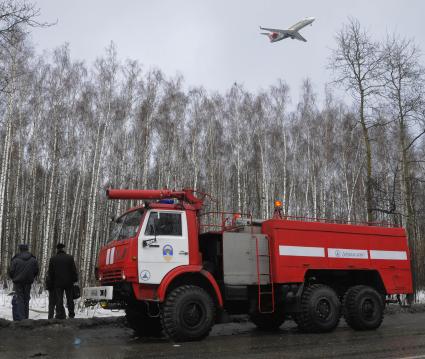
39	307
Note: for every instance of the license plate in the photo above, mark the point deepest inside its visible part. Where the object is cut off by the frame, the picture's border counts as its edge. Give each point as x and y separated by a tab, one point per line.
98	293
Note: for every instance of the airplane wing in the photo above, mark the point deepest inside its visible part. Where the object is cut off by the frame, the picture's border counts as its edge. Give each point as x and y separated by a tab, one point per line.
273	30
297	36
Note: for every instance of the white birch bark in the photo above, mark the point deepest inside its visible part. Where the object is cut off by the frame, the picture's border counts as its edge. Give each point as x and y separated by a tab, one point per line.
62	227
50	207
5	161
71	232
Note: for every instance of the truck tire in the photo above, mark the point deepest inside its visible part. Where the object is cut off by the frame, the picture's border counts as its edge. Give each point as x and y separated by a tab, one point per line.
268	321
142	324
188	314
363	308
320	309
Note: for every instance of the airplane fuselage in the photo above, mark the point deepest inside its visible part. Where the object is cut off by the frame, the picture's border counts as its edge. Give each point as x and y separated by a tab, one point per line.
303	23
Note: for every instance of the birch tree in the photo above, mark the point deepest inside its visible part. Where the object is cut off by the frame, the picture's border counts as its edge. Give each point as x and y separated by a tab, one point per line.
106	83
13	64
357	62
404	85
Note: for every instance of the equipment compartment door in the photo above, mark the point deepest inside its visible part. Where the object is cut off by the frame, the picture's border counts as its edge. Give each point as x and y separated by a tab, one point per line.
162	245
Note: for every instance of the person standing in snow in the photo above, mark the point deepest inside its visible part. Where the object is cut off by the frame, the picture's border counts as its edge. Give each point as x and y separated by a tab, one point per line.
23	270
52	296
63	274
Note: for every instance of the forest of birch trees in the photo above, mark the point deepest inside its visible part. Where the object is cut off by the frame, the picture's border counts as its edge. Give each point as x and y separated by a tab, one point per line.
70	129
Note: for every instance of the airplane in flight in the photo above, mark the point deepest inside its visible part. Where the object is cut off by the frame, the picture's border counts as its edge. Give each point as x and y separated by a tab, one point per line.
278	34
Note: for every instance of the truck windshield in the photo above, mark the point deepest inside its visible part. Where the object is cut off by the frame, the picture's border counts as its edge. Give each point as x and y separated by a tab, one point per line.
126	226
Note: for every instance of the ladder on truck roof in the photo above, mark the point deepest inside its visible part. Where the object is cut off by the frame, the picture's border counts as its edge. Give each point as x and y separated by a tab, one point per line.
263	293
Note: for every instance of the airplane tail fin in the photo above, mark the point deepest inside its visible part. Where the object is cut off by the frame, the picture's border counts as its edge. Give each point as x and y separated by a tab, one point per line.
268	34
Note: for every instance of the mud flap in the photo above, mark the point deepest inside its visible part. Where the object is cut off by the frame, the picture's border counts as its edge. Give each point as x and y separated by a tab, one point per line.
222	317
294	305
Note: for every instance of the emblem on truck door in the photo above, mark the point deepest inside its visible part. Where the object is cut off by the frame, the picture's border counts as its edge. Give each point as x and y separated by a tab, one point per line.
167	252
145	275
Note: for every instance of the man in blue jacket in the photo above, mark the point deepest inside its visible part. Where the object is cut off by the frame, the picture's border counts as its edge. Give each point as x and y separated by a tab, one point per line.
23	270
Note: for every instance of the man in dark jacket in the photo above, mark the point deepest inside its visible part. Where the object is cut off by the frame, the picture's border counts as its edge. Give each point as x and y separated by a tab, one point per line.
23	269
63	273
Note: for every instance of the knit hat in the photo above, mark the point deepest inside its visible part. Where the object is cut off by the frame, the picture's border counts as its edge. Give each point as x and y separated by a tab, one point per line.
23	247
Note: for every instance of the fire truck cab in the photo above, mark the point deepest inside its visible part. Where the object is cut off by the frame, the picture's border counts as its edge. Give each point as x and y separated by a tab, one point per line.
172	273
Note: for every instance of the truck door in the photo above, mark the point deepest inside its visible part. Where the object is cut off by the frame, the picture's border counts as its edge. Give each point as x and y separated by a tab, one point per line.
162	245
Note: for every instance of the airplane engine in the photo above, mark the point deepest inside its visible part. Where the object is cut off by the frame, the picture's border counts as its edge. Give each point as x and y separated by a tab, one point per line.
273	36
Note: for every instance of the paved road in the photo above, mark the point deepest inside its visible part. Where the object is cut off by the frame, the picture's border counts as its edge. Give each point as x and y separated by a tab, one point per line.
401	336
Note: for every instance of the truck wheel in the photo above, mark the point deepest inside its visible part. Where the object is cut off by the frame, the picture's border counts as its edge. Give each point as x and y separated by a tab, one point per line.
268	321
143	325
363	308
320	309
188	313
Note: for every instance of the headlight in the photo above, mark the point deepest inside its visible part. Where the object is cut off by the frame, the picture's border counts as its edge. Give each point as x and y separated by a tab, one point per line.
104	304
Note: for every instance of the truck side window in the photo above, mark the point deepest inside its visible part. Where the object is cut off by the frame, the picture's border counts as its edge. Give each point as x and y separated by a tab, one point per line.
164	224
115	229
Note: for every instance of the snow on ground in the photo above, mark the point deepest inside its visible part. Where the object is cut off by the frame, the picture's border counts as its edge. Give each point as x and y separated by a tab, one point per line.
420	297
39	306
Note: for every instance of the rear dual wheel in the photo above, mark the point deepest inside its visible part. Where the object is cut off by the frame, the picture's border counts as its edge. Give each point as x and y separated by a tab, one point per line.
320	309
363	308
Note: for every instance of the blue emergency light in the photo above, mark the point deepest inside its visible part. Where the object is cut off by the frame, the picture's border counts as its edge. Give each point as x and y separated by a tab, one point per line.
166	201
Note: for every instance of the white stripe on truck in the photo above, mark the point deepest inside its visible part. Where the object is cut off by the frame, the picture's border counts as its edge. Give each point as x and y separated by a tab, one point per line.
301	251
112	256
345	253
108	252
392	255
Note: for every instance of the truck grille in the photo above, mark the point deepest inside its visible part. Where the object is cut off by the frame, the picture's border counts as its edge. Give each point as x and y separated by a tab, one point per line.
112	275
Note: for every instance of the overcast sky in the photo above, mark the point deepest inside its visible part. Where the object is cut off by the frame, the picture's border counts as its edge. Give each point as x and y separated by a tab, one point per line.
214	43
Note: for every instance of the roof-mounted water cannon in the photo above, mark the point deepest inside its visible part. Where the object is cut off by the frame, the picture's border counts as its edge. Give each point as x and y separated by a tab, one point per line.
185	195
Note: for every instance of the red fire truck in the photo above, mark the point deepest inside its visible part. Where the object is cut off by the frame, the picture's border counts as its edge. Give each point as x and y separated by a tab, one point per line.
171	272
